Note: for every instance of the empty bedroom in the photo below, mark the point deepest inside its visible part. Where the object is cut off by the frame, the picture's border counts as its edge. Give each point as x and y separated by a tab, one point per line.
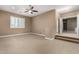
39	29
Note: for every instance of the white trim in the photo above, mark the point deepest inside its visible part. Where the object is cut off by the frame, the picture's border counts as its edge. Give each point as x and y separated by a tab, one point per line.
61	25
77	24
57	16
47	38
20	34
65	17
57	25
61	22
38	34
13	35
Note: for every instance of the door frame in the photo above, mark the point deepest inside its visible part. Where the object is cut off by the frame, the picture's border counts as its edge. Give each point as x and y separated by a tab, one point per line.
61	23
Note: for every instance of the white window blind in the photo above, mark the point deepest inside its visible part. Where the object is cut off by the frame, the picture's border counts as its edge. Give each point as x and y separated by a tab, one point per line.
17	22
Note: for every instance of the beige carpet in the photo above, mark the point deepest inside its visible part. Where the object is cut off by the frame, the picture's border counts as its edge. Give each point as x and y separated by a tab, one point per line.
30	44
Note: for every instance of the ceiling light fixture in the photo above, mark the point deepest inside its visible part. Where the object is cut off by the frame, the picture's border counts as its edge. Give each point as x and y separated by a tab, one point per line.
30	10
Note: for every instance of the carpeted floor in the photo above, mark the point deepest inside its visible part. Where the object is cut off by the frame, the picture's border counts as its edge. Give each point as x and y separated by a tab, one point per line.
34	44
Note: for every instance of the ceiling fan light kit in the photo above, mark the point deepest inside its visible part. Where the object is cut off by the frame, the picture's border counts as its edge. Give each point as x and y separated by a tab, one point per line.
30	10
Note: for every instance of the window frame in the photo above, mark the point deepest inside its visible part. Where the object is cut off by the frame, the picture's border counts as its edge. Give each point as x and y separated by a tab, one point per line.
17	22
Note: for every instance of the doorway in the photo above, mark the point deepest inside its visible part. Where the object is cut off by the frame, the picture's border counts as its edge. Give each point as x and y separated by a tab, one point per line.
68	25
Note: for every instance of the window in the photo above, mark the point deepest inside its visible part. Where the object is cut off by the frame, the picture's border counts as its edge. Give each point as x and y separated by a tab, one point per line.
17	22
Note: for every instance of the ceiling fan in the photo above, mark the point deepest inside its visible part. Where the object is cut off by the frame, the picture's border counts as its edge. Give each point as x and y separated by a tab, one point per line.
30	10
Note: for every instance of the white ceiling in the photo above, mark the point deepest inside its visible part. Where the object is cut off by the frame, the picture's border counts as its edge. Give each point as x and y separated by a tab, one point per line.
19	9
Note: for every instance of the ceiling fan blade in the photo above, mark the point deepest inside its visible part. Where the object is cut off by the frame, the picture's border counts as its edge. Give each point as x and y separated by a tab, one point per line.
34	10
31	12
31	7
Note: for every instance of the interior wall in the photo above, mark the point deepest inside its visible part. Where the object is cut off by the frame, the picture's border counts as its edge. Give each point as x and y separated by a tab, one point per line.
45	23
5	24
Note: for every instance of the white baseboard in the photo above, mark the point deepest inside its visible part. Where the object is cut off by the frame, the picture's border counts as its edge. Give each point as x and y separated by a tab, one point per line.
20	34
38	34
13	35
47	38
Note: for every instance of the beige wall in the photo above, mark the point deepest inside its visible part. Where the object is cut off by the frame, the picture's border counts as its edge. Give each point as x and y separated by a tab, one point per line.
45	23
42	24
5	24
